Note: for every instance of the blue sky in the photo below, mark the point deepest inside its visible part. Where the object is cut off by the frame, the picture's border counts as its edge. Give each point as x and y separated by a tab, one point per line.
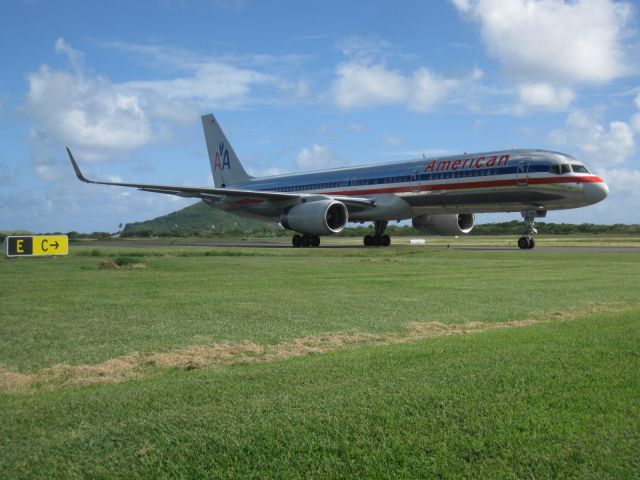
303	86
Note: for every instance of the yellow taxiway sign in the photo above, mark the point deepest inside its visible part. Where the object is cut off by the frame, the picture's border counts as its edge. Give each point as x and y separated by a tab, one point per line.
36	245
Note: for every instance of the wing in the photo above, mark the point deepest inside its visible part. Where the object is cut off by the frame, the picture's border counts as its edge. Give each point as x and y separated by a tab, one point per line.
277	198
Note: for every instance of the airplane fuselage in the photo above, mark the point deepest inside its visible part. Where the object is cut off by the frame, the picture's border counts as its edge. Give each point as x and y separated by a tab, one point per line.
500	181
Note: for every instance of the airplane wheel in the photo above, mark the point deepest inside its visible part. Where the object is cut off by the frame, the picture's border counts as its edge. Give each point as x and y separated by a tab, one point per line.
296	241
368	241
306	241
386	240
315	241
523	243
532	243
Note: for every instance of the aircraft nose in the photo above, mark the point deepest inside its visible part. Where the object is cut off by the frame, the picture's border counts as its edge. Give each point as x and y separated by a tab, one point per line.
595	192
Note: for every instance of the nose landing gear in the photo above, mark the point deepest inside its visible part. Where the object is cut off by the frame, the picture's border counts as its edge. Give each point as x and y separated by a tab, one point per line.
529	216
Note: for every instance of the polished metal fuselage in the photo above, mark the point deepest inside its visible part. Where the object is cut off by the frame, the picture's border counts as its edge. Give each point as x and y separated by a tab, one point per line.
500	181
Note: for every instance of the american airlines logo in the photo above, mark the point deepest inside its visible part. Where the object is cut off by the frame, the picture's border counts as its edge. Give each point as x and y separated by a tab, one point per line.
466	164
222	158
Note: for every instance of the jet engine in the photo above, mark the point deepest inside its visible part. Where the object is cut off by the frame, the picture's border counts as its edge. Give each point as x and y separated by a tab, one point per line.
320	217
445	224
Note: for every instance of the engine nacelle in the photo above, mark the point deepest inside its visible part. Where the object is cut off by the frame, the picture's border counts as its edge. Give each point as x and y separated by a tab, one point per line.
320	217
445	224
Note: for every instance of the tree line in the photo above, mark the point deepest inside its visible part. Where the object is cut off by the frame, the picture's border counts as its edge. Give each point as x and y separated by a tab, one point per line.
503	228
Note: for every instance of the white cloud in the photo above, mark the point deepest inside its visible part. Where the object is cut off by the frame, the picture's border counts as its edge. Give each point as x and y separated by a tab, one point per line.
635	120
317	157
549	47
462	5
366	80
554	40
74	56
427	90
82	111
362	85
600	146
364	50
100	118
544	95
225	81
86	112
365	85
624	196
211	83
624	182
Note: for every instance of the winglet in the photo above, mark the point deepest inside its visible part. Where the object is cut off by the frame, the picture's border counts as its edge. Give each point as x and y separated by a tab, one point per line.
76	168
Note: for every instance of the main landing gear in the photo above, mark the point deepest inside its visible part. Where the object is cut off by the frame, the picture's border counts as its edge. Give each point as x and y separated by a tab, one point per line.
305	241
529	216
378	239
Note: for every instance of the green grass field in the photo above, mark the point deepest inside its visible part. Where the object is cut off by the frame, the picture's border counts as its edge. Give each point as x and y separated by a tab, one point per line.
281	363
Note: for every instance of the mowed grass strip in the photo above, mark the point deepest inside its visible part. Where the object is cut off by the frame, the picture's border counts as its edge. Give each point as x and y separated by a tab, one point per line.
550	400
136	365
69	310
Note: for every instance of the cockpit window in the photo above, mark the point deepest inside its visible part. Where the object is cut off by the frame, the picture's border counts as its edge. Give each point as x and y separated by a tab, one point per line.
555	169
565	168
577	168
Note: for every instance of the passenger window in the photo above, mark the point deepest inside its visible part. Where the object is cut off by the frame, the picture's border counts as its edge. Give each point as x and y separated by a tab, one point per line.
555	169
565	168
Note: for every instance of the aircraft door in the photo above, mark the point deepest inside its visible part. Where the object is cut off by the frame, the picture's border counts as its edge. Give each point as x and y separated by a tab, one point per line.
522	174
415	187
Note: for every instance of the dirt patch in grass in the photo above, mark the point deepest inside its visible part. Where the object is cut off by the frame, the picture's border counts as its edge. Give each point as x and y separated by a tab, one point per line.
383	260
112	265
588	310
192	357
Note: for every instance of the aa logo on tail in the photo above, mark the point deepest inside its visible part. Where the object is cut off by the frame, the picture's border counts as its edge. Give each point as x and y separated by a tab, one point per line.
224	154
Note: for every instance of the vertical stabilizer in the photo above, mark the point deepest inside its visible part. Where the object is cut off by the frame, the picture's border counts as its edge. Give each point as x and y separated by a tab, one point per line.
225	165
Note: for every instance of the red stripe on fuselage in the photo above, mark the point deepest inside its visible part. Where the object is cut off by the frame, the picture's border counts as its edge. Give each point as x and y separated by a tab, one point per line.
469	185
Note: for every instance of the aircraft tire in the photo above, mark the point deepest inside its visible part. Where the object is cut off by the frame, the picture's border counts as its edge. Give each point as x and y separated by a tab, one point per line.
386	240
315	241
523	243
532	243
368	240
296	241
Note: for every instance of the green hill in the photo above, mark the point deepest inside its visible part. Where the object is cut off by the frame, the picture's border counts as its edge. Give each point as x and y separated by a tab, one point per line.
197	219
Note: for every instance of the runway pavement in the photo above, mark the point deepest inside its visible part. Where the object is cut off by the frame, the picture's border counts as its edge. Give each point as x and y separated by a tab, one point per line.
326	243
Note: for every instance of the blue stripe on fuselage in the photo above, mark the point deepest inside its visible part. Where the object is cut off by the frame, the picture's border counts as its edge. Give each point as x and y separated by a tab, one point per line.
399	179
409	173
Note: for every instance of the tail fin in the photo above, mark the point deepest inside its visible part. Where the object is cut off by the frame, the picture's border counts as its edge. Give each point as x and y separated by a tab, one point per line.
225	165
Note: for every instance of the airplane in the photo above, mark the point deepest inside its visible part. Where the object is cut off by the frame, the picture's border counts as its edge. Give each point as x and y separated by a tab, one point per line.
440	195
